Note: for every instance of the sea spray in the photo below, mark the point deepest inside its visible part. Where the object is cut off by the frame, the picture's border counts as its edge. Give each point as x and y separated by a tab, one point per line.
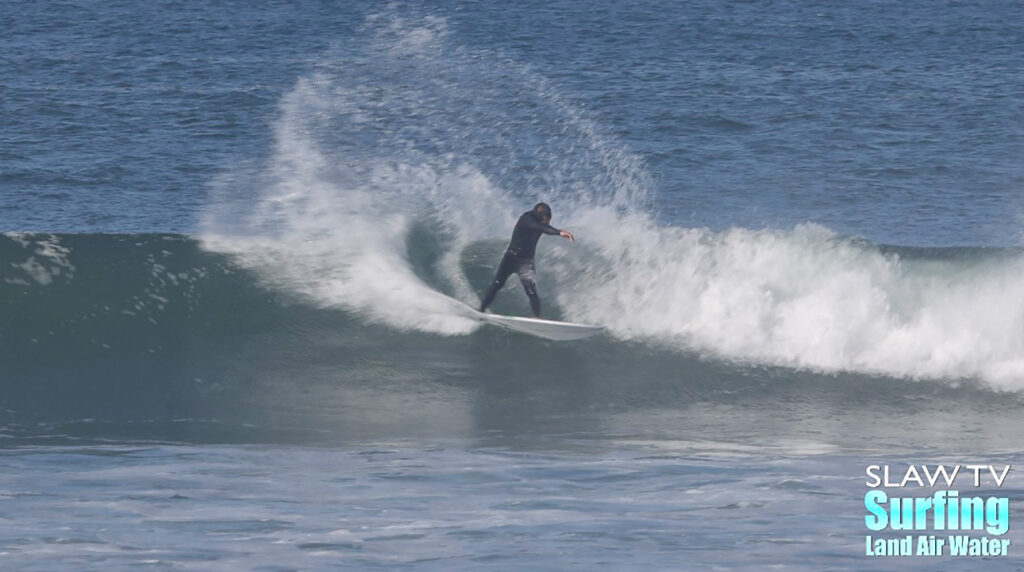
426	134
330	213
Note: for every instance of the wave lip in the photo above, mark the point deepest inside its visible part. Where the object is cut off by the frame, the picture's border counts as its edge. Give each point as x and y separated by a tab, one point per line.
808	298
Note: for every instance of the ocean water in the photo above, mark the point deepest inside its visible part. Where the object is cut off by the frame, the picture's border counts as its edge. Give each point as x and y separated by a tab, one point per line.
233	234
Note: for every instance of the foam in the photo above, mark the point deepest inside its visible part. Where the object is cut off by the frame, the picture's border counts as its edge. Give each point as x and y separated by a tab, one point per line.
47	263
805	298
409	129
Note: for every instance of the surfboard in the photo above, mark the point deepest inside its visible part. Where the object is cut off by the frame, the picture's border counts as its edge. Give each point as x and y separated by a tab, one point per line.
547	329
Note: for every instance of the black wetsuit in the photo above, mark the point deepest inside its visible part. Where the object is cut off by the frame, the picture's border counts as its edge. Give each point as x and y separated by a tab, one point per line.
518	259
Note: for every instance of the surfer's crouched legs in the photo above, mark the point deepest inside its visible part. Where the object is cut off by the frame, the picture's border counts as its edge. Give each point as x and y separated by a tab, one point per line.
512	264
505	269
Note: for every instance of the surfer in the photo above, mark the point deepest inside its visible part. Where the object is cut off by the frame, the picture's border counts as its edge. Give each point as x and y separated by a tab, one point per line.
518	257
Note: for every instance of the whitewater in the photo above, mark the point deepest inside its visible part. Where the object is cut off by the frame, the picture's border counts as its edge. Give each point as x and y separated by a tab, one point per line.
236	243
339	226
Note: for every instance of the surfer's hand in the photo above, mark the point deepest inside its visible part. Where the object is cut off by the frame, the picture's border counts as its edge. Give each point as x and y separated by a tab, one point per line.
567	234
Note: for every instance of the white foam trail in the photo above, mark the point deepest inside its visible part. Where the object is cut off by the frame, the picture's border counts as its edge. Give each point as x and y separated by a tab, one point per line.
806	299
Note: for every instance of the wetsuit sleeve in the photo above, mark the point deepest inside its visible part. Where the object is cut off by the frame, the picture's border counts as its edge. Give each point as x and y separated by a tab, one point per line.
533	223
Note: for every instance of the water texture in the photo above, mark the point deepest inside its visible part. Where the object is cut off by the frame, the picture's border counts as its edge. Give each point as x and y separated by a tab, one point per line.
234	239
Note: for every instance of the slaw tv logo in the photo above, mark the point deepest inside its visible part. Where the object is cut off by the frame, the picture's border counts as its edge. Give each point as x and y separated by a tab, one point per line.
943	523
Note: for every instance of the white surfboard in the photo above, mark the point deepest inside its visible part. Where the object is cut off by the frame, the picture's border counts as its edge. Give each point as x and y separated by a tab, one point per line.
548	329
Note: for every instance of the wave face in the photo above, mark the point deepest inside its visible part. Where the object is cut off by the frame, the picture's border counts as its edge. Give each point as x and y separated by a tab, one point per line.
154	336
324	285
399	167
117	326
805	299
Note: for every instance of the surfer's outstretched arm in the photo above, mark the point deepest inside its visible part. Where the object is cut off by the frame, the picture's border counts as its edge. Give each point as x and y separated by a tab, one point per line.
534	223
547	228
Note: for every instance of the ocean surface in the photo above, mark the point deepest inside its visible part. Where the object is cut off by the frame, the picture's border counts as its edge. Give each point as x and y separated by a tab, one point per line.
234	235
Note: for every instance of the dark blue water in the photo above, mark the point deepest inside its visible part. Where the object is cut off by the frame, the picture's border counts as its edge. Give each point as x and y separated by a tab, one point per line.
232	233
874	119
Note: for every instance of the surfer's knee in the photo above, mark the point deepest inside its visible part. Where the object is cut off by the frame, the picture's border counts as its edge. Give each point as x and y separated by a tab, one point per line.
499	280
529	285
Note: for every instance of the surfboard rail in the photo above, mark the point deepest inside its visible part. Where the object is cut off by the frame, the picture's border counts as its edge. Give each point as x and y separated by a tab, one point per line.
547	329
